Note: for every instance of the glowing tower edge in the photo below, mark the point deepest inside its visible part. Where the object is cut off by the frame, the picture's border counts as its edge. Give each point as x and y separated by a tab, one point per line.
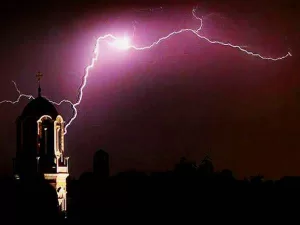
124	44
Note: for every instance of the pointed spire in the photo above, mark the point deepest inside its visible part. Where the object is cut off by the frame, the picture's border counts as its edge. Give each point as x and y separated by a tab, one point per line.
39	76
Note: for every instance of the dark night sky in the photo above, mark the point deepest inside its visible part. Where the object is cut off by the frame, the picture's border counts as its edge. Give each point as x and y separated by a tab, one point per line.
181	98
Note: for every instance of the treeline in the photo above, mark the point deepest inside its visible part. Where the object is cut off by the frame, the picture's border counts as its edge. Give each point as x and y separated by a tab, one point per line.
187	193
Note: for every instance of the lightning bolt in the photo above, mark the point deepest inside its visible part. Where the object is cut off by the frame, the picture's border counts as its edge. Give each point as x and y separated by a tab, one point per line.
21	95
114	41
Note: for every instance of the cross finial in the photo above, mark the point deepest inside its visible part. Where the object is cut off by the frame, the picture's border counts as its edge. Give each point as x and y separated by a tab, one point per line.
39	76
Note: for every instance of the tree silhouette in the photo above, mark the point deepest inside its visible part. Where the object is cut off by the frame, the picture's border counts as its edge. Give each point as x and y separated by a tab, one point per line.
206	166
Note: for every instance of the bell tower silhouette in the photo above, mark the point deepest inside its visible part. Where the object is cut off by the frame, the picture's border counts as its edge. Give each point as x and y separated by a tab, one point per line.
40	145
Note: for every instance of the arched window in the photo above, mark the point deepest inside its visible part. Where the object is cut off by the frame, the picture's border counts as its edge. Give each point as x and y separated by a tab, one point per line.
46	136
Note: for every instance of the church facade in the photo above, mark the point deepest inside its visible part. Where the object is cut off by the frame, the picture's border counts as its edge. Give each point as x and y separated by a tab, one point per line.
40	146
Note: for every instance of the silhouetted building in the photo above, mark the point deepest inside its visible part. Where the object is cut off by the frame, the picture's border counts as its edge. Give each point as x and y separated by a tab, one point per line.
101	164
40	145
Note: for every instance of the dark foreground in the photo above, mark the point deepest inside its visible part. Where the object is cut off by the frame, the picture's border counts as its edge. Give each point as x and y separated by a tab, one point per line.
184	195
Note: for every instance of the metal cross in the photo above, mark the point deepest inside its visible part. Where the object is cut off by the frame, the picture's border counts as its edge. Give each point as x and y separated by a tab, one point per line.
39	75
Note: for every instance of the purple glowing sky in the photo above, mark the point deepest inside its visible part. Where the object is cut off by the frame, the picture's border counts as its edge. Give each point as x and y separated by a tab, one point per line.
148	108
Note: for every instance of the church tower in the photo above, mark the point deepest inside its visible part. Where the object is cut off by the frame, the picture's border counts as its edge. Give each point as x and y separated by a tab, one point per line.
40	145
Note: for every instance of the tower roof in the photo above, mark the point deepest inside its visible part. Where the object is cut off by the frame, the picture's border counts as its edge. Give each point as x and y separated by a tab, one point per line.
39	107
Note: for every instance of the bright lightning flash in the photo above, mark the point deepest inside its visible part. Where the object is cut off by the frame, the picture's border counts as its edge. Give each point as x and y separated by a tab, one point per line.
124	44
